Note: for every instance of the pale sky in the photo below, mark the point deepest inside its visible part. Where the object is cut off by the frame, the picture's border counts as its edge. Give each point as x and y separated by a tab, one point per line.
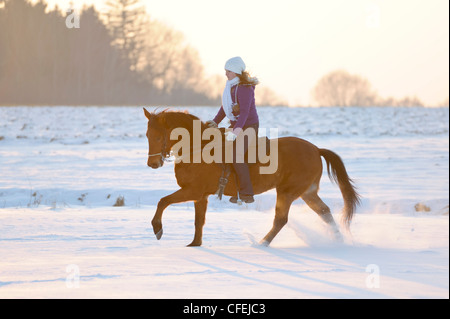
400	46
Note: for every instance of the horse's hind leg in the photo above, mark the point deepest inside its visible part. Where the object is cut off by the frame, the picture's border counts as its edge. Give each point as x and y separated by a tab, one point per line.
316	204
200	212
281	217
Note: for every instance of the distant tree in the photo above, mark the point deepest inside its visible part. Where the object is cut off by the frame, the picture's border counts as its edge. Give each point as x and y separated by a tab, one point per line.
166	55
127	60
4	69
267	97
160	50
23	52
126	20
44	62
187	73
406	101
173	66
213	87
340	88
98	72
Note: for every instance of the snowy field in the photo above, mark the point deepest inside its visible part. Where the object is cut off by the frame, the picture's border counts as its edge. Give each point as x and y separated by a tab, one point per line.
62	169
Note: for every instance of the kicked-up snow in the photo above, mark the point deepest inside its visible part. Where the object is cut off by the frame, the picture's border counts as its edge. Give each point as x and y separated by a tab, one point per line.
62	170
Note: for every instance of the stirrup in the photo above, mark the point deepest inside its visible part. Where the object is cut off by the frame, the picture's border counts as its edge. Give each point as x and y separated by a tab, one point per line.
223	181
247	199
234	199
242	199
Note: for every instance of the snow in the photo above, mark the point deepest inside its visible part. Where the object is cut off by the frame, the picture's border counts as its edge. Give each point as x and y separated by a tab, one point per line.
63	168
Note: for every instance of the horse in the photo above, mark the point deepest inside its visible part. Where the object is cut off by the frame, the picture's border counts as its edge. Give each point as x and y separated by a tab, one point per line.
297	175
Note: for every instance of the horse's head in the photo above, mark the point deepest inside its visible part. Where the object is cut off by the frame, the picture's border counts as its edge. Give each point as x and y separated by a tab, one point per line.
158	149
160	130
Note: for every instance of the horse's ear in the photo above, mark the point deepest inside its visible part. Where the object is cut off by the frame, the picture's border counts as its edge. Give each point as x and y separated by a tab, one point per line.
147	114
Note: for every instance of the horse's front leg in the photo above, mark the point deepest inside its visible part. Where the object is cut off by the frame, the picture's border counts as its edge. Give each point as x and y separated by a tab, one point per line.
181	195
200	212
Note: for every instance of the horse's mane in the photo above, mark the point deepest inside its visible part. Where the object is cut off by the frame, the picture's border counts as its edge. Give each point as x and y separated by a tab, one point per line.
173	119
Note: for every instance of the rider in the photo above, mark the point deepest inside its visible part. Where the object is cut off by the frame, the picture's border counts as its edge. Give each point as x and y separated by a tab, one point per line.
238	105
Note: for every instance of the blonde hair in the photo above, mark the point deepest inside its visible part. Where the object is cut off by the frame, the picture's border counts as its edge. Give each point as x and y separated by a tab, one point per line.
246	79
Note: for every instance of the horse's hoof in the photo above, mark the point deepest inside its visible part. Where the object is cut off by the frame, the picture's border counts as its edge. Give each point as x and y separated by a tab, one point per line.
193	244
157	228
337	237
264	243
159	234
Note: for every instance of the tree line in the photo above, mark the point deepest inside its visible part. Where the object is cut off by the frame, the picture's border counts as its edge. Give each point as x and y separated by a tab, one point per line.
121	58
340	88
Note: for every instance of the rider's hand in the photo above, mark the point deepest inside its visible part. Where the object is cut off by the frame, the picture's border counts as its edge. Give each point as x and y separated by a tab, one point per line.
230	136
211	123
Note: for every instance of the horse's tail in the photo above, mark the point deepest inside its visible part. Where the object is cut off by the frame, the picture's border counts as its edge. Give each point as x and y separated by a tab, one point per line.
338	174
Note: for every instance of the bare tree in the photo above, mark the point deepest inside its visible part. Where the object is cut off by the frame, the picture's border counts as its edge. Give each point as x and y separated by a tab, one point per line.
213	87
340	88
268	97
173	67
126	20
406	101
160	51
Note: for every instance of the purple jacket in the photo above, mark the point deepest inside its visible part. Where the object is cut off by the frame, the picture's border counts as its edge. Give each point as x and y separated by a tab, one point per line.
246	99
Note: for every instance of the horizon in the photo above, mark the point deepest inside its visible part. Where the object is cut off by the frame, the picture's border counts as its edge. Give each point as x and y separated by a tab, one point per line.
401	47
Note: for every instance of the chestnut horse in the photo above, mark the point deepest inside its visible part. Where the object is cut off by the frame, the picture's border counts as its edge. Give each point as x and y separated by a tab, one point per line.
297	175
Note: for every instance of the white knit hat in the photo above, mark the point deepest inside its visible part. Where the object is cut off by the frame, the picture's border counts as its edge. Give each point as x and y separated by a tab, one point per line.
235	65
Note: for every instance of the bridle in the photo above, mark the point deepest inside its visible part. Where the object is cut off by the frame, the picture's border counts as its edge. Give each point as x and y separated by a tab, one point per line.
164	153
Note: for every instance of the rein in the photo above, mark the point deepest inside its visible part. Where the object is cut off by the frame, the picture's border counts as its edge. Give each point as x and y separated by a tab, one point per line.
164	154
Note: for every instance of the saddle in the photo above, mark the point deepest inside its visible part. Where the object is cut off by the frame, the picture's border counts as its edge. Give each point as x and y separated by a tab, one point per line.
251	158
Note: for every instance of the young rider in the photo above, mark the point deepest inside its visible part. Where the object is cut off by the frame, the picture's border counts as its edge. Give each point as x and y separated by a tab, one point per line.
238	105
